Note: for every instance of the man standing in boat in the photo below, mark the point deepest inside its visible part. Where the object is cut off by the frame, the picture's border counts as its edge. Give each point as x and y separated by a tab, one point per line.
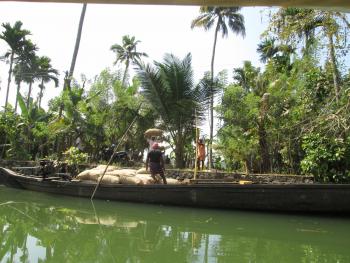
155	162
200	154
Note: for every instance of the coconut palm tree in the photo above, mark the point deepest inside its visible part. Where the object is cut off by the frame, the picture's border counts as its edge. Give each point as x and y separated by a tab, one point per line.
14	36
224	18
169	87
69	74
46	73
77	44
127	53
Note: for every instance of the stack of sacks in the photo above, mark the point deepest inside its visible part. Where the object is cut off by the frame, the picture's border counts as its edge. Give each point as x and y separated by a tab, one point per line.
142	171
90	175
95	173
125	179
114	175
123	172
102	167
126	176
109	179
145	178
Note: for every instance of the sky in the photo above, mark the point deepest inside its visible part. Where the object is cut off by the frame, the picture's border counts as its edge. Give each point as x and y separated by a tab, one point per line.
161	29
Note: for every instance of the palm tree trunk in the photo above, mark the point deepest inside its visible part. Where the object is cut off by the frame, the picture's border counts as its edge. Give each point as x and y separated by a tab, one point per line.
179	150
125	72
29	93
77	43
18	89
67	80
179	158
9	79
41	93
246	166
334	66
211	107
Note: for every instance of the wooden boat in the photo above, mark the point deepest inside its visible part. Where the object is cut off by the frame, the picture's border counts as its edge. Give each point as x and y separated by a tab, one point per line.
304	198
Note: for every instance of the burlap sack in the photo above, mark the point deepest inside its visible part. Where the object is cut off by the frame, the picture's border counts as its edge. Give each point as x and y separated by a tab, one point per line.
94	175
142	171
172	181
123	172
130	180
145	178
153	132
84	175
109	179
91	175
102	167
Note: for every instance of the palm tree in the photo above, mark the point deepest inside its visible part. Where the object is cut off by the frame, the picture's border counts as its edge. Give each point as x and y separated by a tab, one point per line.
267	49
170	89
46	73
14	37
279	55
23	61
127	53
246	76
225	18
31	76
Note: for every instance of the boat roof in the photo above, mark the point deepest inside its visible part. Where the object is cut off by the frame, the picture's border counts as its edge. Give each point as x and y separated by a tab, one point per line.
336	5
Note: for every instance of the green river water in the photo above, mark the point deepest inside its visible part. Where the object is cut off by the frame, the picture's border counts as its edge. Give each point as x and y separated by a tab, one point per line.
36	227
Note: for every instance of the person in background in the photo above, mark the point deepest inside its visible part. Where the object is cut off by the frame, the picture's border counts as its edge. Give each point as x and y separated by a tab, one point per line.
155	163
200	154
79	143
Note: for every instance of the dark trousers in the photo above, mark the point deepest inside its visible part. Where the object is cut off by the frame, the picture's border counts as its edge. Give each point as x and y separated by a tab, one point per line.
199	164
156	168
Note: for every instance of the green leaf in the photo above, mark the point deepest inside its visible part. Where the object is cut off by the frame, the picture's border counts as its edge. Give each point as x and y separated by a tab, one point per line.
22	105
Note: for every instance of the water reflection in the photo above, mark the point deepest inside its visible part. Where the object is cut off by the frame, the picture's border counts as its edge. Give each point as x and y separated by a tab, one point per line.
42	228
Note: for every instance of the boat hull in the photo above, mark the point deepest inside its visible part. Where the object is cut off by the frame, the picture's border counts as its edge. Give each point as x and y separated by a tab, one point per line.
307	198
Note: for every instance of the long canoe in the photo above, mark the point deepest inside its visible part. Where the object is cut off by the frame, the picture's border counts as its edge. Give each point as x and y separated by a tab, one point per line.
301	198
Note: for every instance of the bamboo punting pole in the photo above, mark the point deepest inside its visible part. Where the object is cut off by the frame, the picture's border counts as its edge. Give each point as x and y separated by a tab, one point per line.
114	152
196	141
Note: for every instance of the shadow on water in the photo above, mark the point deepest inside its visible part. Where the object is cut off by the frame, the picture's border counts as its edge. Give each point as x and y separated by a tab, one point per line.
39	227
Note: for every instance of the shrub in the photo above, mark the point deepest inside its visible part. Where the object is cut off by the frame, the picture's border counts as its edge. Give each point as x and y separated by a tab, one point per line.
327	158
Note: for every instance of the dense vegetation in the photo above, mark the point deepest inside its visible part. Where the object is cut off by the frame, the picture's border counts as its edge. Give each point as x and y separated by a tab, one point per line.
291	116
